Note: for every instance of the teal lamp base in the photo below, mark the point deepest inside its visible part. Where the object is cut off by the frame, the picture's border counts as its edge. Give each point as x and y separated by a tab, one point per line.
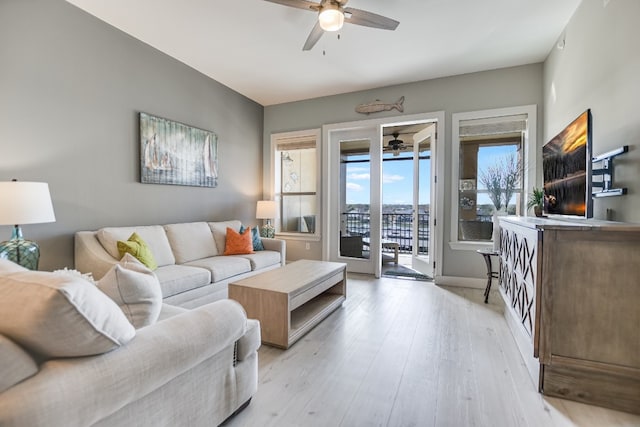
23	252
268	231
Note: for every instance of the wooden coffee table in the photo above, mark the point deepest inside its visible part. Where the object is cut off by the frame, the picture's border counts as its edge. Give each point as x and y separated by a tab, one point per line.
289	301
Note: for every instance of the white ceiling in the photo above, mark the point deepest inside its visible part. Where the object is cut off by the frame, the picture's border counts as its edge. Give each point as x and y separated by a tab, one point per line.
255	47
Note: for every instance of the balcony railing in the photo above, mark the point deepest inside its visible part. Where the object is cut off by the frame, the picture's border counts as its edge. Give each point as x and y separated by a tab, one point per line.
396	227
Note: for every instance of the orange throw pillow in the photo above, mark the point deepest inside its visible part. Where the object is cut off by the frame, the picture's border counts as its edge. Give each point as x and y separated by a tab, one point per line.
238	244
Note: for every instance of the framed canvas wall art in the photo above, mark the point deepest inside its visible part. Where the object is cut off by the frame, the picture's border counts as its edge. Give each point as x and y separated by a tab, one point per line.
178	154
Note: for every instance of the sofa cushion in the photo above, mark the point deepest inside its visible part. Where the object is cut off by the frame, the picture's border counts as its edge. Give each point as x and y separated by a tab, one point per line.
219	230
137	247
153	235
60	315
223	267
7	267
262	259
15	364
238	243
191	241
175	279
135	289
169	310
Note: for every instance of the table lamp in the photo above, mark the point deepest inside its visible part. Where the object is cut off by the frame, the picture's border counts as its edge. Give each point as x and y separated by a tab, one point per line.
267	209
23	203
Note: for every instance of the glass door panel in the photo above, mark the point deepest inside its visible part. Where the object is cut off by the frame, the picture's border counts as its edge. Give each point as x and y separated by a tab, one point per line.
355	200
353	212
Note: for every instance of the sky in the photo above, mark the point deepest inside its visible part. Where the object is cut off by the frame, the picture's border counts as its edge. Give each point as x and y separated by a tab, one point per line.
397	181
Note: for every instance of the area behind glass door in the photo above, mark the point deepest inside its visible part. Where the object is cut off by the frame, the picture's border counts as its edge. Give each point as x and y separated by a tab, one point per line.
355	200
406	196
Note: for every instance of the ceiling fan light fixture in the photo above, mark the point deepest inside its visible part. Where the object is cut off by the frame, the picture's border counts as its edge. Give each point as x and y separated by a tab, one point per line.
331	17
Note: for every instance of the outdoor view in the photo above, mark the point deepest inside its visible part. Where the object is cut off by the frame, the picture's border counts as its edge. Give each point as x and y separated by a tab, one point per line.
496	174
397	198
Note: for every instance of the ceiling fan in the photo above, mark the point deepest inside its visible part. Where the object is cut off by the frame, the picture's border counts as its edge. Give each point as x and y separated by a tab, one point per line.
396	145
332	15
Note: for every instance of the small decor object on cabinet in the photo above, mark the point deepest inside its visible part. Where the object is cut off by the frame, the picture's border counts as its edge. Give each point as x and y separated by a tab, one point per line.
23	203
174	153
536	201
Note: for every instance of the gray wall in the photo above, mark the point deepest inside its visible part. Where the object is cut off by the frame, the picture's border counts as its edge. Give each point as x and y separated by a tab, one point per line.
70	90
599	68
478	91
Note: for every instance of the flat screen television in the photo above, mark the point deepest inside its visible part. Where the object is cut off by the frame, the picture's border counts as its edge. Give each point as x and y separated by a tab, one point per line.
566	168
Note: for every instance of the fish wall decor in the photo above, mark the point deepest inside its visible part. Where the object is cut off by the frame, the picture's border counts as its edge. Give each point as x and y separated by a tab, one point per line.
377	106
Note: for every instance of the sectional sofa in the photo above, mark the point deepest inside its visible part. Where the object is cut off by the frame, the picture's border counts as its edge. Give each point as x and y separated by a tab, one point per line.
78	353
192	269
132	346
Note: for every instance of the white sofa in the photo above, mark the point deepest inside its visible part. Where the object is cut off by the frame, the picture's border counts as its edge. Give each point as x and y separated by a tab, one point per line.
191	268
69	357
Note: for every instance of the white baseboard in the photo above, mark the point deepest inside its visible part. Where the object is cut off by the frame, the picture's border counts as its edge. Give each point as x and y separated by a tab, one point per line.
464	282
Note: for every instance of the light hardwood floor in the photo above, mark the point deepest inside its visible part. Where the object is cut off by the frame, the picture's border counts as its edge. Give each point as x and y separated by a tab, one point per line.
409	353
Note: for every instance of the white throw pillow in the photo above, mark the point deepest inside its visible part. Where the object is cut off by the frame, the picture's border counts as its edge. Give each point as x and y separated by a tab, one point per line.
136	290
60	315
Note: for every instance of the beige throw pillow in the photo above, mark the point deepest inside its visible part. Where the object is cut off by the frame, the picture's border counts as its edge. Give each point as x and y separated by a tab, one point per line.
55	315
136	290
154	236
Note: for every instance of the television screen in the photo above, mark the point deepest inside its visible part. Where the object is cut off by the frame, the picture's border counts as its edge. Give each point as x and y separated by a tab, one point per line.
566	167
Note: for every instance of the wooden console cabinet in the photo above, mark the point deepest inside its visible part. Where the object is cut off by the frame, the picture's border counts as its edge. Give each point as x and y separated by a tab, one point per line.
572	296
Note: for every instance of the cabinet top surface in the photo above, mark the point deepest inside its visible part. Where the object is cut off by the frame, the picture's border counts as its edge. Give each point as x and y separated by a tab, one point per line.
569	223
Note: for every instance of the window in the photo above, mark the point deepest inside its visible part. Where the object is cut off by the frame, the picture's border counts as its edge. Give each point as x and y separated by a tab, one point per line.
295	182
491	171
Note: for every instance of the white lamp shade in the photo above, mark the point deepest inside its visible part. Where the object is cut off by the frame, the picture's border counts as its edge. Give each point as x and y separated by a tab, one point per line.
331	18
267	209
25	203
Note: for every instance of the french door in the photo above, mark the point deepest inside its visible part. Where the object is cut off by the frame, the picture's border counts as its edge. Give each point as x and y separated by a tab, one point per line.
354	202
352	194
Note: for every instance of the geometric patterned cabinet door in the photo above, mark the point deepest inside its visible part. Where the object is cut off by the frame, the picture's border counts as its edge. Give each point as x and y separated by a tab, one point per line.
518	272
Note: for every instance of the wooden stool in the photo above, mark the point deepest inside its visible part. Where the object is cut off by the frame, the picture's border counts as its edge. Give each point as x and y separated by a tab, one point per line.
487	254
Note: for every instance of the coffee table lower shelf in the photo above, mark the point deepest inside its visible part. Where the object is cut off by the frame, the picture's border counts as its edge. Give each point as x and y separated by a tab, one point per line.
310	314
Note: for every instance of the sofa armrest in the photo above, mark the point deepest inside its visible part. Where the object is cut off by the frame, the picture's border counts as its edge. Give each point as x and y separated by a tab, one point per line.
249	343
277	245
90	256
82	391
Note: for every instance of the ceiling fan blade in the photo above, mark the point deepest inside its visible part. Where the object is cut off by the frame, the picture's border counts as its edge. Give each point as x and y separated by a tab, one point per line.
300	4
368	19
314	36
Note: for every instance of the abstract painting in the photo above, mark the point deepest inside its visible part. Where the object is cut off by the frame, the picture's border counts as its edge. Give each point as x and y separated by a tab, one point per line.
174	153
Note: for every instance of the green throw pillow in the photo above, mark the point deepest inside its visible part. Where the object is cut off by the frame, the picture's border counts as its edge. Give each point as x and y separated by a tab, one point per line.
139	249
255	238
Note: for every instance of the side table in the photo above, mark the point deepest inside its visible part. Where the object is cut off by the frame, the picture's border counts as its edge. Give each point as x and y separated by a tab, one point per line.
487	254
